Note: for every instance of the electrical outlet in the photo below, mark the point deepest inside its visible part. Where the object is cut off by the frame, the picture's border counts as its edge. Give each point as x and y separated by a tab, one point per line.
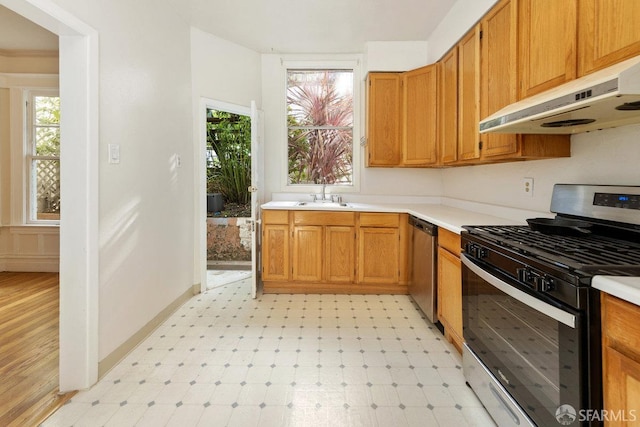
527	186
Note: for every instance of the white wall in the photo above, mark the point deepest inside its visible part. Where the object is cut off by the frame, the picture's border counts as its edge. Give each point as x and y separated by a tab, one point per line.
395	56
462	16
224	71
602	157
145	202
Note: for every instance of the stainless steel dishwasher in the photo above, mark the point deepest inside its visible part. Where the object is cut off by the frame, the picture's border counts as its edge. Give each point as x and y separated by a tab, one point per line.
423	278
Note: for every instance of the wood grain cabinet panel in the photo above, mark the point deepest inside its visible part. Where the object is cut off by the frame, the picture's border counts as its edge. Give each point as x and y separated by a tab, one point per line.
548	31
621	358
448	104
450	287
420	124
383	127
469	96
307	253
378	255
340	253
275	252
335	252
499	88
608	32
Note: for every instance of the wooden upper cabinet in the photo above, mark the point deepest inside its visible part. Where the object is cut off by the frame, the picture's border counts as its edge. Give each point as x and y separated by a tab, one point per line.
498	75
419	136
383	119
469	95
608	32
498	88
448	103
547	44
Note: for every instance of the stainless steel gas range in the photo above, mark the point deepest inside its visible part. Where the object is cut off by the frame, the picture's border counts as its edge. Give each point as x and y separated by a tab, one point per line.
531	320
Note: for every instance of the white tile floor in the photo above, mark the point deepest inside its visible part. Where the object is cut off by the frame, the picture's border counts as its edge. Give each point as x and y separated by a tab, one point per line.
224	359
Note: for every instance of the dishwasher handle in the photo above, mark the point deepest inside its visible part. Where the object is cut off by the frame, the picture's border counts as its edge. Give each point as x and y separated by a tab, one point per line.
423	225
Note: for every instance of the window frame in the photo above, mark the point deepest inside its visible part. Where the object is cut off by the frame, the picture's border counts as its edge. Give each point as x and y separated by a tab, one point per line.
29	154
351	63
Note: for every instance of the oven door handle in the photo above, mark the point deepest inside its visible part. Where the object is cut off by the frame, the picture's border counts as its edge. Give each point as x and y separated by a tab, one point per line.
538	305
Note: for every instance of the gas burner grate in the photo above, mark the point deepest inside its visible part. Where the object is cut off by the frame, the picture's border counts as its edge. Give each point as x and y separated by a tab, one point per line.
587	253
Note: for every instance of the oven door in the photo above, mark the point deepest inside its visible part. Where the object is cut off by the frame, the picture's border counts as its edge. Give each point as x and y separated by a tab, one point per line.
530	345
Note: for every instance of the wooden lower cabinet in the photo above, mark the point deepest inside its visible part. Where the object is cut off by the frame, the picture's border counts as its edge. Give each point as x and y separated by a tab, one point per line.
450	287
306	260
334	252
340	254
379	255
275	246
621	360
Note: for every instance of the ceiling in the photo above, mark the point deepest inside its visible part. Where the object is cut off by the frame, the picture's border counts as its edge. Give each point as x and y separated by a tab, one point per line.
277	26
18	33
313	26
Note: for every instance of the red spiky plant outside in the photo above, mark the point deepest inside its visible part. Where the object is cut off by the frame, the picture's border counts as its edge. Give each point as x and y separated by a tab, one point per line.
320	137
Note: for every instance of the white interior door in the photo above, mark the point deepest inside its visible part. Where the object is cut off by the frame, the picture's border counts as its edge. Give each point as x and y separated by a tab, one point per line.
257	192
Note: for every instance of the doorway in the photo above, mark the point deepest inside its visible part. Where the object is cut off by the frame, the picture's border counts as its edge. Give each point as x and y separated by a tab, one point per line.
79	243
236	121
228	178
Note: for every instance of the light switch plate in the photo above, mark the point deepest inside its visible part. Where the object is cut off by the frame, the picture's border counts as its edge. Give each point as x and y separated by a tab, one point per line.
114	153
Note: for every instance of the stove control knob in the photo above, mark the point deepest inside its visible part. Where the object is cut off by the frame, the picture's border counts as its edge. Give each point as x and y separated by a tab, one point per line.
475	251
524	275
543	284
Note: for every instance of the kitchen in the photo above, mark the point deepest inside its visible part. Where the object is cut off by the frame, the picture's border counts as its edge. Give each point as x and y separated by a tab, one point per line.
599	157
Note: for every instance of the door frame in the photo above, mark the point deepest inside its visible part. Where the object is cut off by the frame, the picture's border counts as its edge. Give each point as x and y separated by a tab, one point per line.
79	163
201	180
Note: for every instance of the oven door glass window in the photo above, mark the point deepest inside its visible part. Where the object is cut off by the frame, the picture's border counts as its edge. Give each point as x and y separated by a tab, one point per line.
533	355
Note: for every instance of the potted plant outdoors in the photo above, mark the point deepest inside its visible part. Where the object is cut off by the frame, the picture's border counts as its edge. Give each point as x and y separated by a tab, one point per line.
229	166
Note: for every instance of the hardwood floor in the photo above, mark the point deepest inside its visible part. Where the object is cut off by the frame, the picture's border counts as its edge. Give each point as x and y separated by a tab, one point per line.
29	323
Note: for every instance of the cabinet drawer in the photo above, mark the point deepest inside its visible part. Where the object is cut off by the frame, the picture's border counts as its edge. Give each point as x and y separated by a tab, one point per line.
275	217
621	322
323	218
449	241
379	220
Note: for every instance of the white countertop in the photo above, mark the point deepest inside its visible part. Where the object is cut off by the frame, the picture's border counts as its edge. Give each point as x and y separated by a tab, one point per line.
626	288
452	219
447	217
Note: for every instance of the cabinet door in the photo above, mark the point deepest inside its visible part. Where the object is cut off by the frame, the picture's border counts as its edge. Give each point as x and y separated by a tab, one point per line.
275	252
498	78
547	44
621	384
448	100
340	248
383	119
378	255
450	296
608	32
469	95
419	138
307	253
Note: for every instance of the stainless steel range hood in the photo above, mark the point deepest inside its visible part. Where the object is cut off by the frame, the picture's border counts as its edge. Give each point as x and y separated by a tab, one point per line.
604	99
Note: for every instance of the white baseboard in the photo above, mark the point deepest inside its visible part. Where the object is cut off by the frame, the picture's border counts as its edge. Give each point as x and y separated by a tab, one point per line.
30	263
118	354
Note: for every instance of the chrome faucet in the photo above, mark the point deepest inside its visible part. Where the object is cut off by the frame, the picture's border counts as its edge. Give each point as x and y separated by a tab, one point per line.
322	197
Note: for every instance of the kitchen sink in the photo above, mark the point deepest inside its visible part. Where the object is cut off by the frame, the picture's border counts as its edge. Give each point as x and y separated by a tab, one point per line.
326	205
